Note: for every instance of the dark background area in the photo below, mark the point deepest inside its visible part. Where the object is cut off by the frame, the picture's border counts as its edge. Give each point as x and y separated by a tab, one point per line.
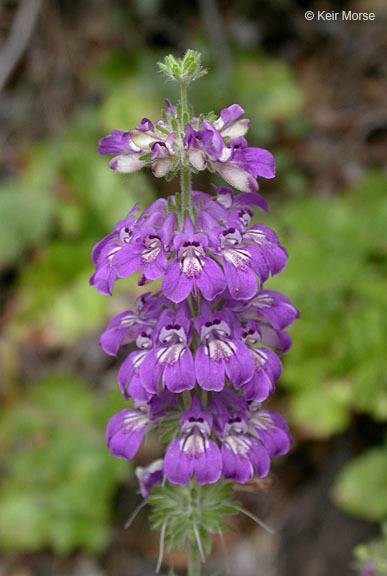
70	72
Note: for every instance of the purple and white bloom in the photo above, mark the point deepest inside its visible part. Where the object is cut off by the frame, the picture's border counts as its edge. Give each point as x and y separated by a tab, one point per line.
129	372
104	251
268	243
222	352
147	251
270	306
193	453
124	327
241	261
230	124
269	334
150	475
162	156
268	367
192	270
126	152
170	361
239	164
270	428
242	455
195	147
241	204
126	429
148	143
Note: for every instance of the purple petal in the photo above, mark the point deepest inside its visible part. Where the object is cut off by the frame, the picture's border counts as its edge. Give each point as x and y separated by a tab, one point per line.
236	467
241	283
237	177
240	366
258	388
209	373
150	372
127	163
211	281
208	465
175	285
180	376
259	459
124	433
115	143
178	468
261	162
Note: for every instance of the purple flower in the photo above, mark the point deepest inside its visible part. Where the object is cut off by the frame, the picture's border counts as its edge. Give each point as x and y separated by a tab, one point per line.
192	270
242	455
194	147
129	372
147	251
268	305
229	124
103	253
124	326
222	353
157	140
125	430
238	164
127	153
170	360
241	204
268	367
279	310
193	453
270	429
162	156
241	263
150	475
268	243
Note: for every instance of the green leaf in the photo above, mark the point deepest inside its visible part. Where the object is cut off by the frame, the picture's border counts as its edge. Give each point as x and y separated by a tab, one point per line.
361	486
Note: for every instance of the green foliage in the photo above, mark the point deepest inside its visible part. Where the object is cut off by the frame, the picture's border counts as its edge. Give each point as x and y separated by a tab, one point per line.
361	487
335	278
25	221
193	512
59	477
275	98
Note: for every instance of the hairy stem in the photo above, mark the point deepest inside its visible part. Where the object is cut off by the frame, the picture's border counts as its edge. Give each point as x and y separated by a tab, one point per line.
185	175
194	560
194	552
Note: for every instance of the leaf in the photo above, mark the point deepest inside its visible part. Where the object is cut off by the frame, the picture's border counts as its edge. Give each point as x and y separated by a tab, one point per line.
361	486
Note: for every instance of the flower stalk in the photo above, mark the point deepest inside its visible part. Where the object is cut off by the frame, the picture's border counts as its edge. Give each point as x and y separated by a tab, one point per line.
208	343
185	174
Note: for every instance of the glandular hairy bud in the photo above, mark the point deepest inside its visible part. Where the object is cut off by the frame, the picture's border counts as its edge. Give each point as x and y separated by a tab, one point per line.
183	70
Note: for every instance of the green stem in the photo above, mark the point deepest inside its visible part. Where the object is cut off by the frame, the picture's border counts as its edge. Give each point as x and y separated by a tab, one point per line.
194	560
185	174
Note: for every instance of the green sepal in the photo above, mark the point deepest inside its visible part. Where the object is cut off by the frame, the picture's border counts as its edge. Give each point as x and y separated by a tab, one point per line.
145	157
211	117
162	129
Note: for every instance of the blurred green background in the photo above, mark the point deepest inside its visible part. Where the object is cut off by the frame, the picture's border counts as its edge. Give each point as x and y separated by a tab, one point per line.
315	95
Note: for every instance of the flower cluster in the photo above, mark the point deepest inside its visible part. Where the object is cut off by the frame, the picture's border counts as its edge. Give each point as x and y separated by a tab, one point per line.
207	344
217	144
